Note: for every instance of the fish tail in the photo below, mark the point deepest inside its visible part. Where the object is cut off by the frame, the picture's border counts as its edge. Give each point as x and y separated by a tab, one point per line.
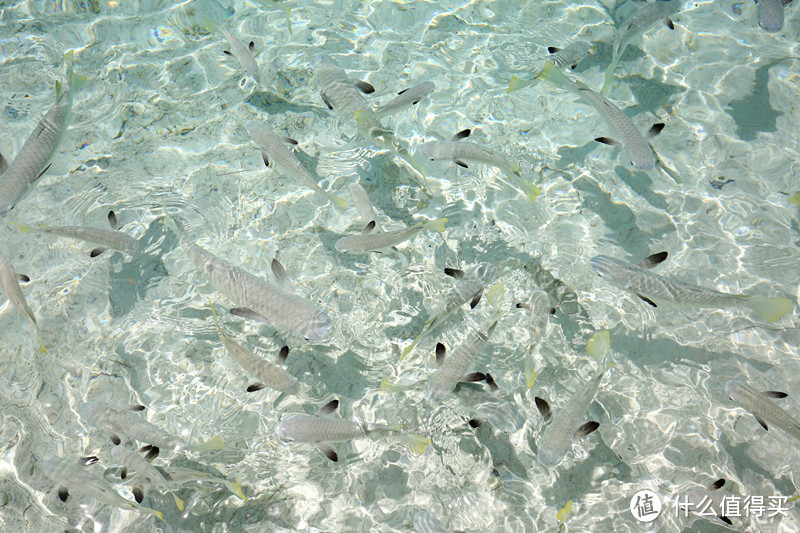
608	79
515	84
496	296
210	26
74	80
388	386
214	443
341	203
416	443
530	190
436	225
530	375
178	502
150	511
364	115
41	342
551	73
416	340
770	309
235	488
25	229
599	345
795	199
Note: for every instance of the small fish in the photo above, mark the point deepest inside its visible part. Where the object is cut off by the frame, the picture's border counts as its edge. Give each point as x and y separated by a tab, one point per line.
469	288
322	430
425	522
629	137
9	283
116	240
770	15
707	502
269	374
653	288
137	463
405	98
278	306
364	206
374	241
74	477
342	93
453	369
244	54
461	152
541	311
183	475
116	422
764	409
34	158
274	149
567	423
634	26
561	58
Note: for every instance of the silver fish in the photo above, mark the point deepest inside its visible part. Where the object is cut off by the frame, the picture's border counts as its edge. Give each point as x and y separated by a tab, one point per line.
652	288
453	368
269	374
541	311
568	422
373	241
34	157
764	409
405	98
184	475
469	288
770	15
140	465
244	54
321	431
566	57
106	238
116	422
274	148
261	301
75	478
461	152
707	502
10	286
364	206
634	26
425	522
342	93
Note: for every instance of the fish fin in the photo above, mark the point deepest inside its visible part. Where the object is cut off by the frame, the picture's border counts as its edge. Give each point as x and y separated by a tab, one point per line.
227	53
137	407
646	299
762	422
178	501
608	140
153	512
235	488
775	394
770	309
265	157
454	273
401	92
599	345
436	224
115	438
328	451
416	340
416	443
97	251
214	443
138	494
724	518
341	203
563	514
608	77
364	115
255	387
281	276
553	49
25	229
522	305
244	312
63	494
652	260
496	296
289	140
544	409
668	22
441	351
515	84
252	48
654	130
718	484
460	163
364	87
795	199
476	299
3	164
587	429
327	102
552	74
152	453
491	382
388	386
87	461
530	375
475	423
59	89
42	173
328	408
530	190
463	134
472	377
123	472
369	227
112	220
283	355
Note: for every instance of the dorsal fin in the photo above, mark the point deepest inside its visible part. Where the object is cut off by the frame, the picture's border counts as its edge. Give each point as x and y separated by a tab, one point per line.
283	354
281	276
544	408
369	227
652	260
718	484
328	408
112	220
463	134
441	351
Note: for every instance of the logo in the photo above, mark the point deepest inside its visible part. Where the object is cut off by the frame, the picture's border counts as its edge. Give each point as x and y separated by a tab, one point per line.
645	506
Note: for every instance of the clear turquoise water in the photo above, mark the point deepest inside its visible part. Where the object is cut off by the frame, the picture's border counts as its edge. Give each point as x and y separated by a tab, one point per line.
162	122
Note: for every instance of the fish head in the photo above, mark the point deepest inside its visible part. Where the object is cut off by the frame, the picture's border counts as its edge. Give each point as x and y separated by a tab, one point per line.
735	389
284	429
132	246
343	246
430	150
318	327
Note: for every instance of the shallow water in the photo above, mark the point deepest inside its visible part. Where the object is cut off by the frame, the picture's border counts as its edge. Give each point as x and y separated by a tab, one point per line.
161	124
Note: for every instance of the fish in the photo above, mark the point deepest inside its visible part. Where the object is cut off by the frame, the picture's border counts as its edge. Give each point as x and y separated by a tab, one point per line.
634	26
9	283
374	241
278	306
762	407
540	313
461	152
114	239
453	369
566	425
274	149
469	288
322	431
244	54
561	58
627	135
133	461
425	522
707	502
653	288
73	477
125	422
363	205
343	94
770	14
35	156
269	374
405	98
183	475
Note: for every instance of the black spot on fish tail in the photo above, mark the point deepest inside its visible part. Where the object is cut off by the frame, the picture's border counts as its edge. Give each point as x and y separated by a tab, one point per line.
544	408
265	158
669	23
415	102
136	408
369	227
